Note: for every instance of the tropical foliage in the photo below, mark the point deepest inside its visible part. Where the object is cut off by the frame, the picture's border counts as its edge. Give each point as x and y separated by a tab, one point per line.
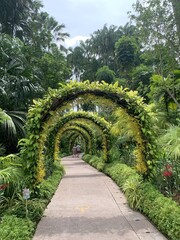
126	113
29	53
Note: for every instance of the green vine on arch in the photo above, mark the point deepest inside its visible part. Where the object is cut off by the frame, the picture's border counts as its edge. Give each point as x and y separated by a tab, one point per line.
43	109
66	128
56	121
72	140
101	124
75	125
51	127
83	124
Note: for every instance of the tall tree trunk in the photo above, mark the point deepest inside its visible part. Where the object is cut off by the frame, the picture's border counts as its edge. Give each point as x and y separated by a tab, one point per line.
176	10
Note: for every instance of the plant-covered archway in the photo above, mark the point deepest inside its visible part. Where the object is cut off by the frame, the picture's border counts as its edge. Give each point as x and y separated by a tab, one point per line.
41	171
82	123
73	138
52	147
84	132
52	105
48	134
100	123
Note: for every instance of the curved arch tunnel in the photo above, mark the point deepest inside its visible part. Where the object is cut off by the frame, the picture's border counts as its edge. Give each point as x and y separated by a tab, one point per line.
49	114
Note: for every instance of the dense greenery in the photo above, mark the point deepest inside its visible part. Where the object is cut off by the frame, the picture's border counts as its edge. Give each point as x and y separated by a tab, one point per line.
31	60
15	222
128	111
99	131
45	112
16	228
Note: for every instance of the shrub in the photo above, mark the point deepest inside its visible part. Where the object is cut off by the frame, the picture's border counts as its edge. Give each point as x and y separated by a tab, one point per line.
35	209
48	186
87	157
15	224
95	161
120	172
131	188
163	211
16	228
10	160
64	154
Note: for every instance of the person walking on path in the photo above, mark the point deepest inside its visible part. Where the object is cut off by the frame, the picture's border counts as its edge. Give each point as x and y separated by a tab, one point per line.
78	150
74	151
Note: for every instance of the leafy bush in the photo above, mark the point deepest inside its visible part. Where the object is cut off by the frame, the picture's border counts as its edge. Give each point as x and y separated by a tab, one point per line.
11	175
123	151
64	154
132	191
167	177
35	209
15	215
87	157
120	172
48	186
16	228
10	160
114	153
163	211
95	161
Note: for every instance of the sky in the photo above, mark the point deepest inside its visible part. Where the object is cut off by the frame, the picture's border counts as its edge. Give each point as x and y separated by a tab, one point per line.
83	17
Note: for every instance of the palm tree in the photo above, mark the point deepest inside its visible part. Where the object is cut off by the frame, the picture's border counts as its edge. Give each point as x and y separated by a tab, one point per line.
127	30
11	128
45	32
13	17
76	60
10	174
17	80
171	142
103	42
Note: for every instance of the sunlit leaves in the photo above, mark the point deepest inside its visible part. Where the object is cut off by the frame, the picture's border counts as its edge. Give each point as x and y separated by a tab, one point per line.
47	114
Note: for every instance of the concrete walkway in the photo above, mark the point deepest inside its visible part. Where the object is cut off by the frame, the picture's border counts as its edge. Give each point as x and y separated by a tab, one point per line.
89	206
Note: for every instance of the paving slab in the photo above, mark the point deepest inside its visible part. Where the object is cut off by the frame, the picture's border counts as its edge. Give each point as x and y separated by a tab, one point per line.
88	205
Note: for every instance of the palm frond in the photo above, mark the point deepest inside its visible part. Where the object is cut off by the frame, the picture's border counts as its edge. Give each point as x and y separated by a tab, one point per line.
171	142
10	174
8	126
12	128
3	116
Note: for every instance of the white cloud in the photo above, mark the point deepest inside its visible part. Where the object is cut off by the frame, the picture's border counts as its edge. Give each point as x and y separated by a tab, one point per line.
73	42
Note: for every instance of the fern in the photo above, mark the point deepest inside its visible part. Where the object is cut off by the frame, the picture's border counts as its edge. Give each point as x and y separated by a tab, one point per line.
171	142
